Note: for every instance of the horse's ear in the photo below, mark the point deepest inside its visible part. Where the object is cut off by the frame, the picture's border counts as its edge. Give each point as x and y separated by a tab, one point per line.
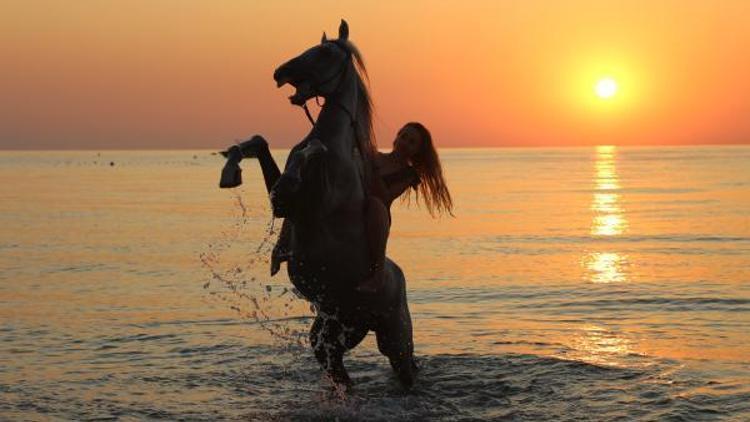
323	38
343	30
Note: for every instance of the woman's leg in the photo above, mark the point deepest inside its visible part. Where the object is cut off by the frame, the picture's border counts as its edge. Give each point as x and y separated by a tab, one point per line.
377	228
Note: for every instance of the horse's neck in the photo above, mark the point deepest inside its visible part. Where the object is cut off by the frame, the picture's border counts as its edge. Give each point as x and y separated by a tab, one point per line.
335	125
336	129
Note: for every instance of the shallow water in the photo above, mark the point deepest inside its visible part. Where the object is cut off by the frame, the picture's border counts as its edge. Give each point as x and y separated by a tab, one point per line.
593	283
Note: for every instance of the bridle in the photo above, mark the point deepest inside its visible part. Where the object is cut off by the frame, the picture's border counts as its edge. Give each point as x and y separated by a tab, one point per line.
343	69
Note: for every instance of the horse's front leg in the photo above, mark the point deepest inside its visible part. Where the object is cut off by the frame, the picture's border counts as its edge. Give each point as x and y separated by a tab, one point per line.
256	147
287	188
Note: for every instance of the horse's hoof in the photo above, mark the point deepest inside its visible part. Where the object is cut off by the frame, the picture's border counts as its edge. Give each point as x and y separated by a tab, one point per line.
406	371
341	381
231	175
407	378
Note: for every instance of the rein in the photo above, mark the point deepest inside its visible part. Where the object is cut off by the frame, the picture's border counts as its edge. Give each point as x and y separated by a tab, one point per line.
307	113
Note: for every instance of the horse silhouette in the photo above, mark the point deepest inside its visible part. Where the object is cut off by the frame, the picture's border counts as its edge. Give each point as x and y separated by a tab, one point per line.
321	194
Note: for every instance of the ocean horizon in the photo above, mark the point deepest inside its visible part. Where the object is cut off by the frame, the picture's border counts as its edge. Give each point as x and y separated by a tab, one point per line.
387	148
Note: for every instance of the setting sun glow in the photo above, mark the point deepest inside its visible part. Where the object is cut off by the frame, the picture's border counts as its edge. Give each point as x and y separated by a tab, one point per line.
606	88
93	75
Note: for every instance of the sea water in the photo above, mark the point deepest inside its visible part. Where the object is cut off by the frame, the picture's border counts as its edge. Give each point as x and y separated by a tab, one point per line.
574	283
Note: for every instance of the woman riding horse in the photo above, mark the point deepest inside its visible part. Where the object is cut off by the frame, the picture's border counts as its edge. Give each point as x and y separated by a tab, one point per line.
412	165
323	195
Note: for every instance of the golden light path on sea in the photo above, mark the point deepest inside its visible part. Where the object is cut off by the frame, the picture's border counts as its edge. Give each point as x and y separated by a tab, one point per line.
608	219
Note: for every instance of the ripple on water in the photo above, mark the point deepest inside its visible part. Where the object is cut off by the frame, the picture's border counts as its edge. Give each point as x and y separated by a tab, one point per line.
235	381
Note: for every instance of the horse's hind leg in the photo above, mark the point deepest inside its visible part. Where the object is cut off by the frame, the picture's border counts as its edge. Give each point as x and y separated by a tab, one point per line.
329	339
395	338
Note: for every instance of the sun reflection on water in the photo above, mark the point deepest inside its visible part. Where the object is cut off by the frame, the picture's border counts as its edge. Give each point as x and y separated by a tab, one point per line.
599	345
606	267
608	219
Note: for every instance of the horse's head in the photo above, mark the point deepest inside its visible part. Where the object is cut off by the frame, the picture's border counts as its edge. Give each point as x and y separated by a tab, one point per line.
333	69
318	70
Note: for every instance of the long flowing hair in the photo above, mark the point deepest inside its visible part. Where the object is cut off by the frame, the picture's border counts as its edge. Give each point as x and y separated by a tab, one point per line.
432	189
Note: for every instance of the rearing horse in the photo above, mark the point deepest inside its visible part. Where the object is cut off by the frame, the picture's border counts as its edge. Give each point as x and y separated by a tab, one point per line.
322	194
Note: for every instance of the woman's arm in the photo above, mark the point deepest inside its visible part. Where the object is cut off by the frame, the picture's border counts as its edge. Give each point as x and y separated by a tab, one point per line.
397	183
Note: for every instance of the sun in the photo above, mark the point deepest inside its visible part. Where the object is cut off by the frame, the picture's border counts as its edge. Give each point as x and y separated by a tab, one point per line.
606	88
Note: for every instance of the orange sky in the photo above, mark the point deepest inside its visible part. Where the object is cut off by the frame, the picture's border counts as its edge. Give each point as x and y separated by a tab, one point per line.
189	74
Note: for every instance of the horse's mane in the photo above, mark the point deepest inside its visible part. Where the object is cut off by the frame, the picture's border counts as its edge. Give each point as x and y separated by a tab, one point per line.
365	134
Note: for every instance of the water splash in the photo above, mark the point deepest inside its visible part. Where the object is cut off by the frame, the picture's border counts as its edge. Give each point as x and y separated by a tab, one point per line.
238	264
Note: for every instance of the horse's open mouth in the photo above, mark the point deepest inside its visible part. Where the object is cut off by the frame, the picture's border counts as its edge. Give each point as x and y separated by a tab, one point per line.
303	90
299	98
